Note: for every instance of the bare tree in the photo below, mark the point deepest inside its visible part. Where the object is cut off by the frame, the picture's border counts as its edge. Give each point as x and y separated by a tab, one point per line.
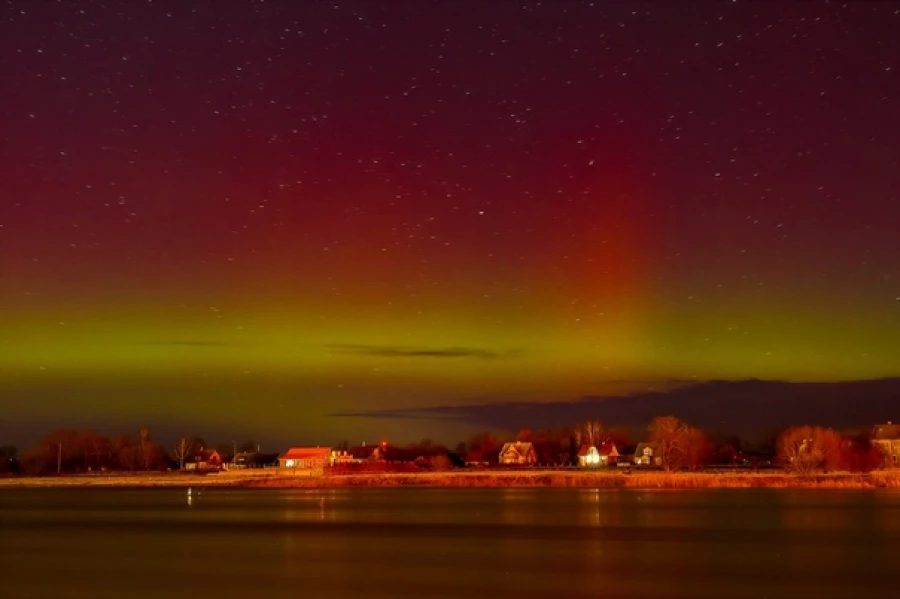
251	446
94	446
65	446
804	449
145	446
697	448
590	432
669	435
126	458
117	445
181	451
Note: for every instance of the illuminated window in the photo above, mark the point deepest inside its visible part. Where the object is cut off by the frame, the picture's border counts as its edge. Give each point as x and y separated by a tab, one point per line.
289	463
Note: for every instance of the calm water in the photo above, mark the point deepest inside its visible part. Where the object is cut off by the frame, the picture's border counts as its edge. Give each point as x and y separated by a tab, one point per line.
461	544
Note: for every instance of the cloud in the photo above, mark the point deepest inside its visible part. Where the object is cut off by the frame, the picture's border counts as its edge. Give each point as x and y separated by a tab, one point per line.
396	351
186	343
746	406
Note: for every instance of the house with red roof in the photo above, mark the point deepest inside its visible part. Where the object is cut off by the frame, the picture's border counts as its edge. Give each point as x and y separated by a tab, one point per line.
306	458
203	459
609	454
887	438
604	455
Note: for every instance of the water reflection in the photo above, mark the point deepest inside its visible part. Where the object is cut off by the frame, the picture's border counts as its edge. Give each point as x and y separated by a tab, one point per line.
306	507
442	544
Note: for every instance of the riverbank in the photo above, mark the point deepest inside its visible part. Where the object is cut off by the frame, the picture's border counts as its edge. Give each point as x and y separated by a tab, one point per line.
472	479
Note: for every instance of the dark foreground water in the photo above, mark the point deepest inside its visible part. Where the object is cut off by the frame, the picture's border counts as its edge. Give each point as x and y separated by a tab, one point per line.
460	544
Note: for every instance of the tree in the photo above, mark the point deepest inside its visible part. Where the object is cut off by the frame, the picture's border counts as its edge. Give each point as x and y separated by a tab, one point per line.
116	449
804	449
618	436
440	463
127	457
568	449
94	448
525	436
155	457
697	449
251	446
482	441
181	451
668	434
64	445
864	455
144	445
590	432
37	461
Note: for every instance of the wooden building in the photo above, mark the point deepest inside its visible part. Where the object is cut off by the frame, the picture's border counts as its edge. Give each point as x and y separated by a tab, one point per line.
305	458
887	438
518	453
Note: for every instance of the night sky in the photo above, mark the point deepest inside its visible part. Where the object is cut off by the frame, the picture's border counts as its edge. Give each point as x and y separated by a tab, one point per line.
243	218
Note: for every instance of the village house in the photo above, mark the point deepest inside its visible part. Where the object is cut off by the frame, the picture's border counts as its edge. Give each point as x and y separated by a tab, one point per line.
518	453
252	459
368	453
242	459
305	458
343	456
609	454
203	459
645	455
588	456
605	455
887	438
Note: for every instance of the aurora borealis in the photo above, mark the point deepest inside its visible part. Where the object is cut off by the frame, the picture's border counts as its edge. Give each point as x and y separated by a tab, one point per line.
242	218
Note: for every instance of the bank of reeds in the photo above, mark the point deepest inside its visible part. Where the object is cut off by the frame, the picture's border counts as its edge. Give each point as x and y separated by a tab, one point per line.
270	479
620	480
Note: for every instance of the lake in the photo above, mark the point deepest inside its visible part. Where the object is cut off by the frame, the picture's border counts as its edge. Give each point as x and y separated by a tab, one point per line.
448	543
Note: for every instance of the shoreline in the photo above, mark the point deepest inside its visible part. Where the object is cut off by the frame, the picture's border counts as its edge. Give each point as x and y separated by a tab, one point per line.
467	479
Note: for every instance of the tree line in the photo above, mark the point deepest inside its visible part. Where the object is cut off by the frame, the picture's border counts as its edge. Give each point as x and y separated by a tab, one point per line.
72	451
803	449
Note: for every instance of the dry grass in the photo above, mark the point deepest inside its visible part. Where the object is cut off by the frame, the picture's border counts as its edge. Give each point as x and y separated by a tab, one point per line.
466	479
120	480
648	480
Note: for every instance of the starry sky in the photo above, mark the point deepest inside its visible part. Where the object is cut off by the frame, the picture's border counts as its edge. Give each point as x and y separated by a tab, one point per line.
247	218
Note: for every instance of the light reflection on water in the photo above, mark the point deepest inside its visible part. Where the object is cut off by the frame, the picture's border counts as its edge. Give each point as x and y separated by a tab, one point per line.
449	543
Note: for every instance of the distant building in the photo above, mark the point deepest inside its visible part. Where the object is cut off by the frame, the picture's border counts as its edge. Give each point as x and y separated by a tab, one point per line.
609	454
646	455
887	438
241	459
368	453
605	455
520	453
203	459
305	458
343	456
253	459
588	456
